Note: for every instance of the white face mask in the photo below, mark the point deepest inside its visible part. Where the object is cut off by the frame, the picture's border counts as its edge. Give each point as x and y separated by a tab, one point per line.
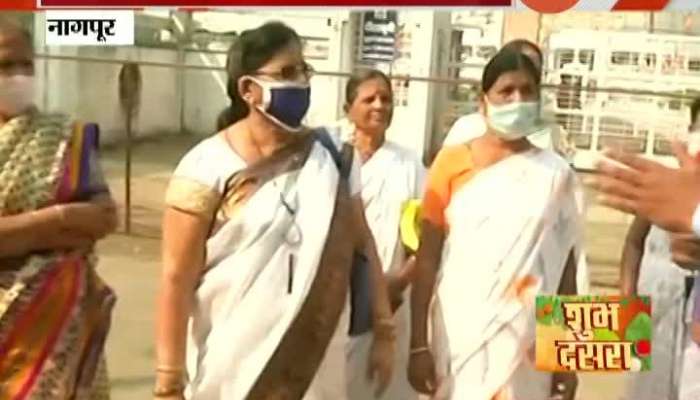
515	120
16	94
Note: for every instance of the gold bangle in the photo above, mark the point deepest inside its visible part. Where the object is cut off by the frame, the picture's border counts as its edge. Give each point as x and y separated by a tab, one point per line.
388	321
419	350
384	332
384	325
386	338
169	370
167	391
382	335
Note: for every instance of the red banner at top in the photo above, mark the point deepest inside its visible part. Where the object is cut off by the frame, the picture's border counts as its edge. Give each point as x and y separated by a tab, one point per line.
18	4
270	3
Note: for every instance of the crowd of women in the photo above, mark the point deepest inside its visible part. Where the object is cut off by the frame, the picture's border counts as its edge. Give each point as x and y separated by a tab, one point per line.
285	271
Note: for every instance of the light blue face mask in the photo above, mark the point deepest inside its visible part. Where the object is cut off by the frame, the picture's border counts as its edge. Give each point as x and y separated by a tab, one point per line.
515	120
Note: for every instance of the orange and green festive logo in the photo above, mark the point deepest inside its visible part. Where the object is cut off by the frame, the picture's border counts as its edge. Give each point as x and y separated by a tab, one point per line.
593	333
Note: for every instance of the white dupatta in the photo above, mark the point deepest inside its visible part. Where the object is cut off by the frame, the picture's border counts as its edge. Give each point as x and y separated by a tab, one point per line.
516	218
389	178
243	306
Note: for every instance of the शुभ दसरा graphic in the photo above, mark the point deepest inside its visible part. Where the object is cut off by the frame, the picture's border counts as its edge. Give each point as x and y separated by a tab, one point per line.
593	333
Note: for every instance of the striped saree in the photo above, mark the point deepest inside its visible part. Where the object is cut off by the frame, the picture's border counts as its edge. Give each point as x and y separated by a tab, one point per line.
54	309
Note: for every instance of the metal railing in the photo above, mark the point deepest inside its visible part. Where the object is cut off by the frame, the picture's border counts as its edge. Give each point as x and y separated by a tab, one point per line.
640	121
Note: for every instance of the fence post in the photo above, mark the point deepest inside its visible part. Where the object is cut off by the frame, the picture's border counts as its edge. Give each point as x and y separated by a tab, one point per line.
183	22
129	100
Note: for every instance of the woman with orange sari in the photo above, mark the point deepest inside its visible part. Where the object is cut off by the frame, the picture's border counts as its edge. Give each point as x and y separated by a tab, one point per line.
501	224
54	205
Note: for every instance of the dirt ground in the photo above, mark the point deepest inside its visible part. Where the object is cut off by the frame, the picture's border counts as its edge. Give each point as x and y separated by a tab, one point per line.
130	263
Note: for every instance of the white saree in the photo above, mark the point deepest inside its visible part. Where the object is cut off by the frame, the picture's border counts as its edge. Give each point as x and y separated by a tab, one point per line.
390	177
250	291
671	310
690	370
517	219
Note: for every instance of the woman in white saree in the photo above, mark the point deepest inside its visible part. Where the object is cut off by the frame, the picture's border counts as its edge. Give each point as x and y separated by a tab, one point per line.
501	224
258	240
649	268
391	175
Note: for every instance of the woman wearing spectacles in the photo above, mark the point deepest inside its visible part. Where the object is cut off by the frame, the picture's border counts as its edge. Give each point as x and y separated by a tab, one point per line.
258	242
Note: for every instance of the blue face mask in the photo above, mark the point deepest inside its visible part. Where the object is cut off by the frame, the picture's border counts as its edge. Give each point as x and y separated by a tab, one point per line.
285	103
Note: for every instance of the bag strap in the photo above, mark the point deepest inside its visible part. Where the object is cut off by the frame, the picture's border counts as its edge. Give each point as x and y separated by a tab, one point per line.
343	158
347	156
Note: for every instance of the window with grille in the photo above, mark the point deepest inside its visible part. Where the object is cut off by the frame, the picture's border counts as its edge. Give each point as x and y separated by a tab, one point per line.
694	64
563	57
620	134
624	58
587	57
650	60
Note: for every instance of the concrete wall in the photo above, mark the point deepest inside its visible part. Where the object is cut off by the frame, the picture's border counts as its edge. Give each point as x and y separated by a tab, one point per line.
204	93
89	91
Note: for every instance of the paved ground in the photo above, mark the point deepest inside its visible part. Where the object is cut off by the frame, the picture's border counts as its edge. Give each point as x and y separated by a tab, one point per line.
130	264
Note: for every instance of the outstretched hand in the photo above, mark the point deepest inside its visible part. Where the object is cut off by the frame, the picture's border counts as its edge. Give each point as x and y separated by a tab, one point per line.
665	196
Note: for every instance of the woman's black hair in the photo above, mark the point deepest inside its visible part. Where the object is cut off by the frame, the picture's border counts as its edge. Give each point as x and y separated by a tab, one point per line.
521	44
507	60
249	52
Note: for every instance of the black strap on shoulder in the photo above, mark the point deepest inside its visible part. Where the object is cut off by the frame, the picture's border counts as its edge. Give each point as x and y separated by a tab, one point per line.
342	160
346	155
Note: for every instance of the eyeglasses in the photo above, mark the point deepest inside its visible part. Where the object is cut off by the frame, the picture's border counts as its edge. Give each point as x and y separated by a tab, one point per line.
290	72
